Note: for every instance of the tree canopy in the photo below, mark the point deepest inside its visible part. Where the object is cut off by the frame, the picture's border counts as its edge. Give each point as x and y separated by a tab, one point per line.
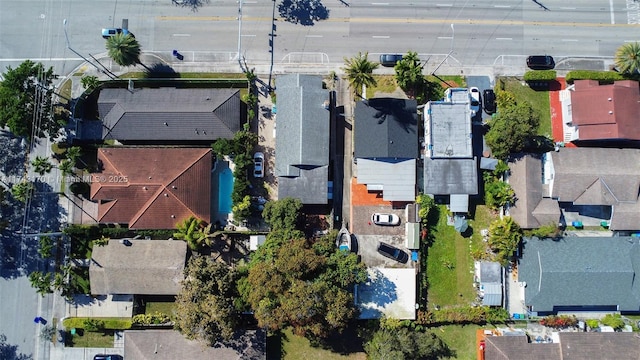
627	58
26	101
205	308
124	49
404	343
504	237
283	214
292	282
359	72
512	127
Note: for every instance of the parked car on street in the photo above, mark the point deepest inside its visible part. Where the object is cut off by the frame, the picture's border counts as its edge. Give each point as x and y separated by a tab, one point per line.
489	101
390	60
540	62
107	357
392	252
385	219
107	33
258	165
476	103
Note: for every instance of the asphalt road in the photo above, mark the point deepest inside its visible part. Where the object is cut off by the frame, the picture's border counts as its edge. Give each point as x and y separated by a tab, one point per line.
481	31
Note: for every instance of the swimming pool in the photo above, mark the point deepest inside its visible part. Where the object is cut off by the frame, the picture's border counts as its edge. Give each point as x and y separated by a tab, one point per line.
225	187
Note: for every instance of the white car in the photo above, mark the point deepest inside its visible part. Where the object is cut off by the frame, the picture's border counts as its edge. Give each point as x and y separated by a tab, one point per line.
258	165
474	96
385	219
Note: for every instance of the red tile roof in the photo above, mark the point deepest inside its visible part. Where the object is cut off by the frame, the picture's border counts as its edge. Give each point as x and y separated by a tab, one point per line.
152	188
606	111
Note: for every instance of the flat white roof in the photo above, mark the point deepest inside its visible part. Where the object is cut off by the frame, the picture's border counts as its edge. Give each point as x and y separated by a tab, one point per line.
389	292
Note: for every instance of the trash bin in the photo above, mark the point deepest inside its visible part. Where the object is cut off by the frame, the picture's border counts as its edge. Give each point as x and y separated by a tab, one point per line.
73	331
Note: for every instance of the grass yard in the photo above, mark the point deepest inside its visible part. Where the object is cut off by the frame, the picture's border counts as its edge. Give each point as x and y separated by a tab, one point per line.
80	280
165	307
385	84
103	339
449	266
296	347
461	339
539	100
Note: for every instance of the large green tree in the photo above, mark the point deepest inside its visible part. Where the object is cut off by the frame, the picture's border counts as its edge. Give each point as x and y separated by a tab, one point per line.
409	74
627	58
283	214
359	72
512	128
398	344
124	49
306	286
205	306
26	101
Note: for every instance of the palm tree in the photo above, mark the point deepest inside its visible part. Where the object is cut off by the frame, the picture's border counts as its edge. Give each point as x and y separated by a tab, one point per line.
409	73
41	165
360	72
66	166
195	233
124	49
628	58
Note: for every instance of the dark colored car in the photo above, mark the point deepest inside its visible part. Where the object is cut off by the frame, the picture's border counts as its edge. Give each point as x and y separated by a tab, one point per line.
390	60
489	100
107	357
392	252
540	62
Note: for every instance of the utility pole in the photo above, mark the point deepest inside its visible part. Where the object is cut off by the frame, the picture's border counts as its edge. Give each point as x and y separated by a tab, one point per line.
66	36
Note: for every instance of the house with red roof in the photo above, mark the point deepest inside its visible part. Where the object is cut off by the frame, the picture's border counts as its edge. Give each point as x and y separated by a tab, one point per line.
152	188
591	111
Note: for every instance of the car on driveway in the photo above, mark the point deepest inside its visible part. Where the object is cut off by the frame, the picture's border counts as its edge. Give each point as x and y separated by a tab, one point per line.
107	33
489	100
258	165
474	96
385	219
392	252
390	60
540	62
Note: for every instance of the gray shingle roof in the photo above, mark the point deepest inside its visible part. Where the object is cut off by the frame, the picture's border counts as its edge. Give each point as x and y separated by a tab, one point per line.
169	114
302	136
450	176
530	209
581	272
147	267
310	186
596	176
397	178
602	346
386	128
171	345
518	348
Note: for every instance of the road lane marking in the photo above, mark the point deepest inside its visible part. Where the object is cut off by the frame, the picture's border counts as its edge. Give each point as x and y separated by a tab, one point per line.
613	20
384	4
569	39
369	20
567	8
182	35
444	5
445	37
501	6
504	38
380	36
248	35
313	36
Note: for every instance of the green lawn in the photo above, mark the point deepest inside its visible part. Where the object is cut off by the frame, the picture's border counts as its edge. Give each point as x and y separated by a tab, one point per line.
91	339
449	266
539	100
165	307
385	84
296	347
460	338
80	280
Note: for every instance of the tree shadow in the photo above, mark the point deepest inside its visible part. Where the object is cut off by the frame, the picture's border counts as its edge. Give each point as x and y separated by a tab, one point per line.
160	71
275	345
10	352
194	5
303	12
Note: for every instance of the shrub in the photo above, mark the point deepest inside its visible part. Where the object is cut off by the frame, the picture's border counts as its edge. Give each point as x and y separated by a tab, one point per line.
108	323
93	324
540	75
601	76
59	149
148	319
559	321
463	315
593	323
80	188
613	320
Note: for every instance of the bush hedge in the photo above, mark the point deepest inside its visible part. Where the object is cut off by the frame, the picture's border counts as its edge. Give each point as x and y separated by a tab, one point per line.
156	318
463	315
601	76
106	323
540	75
559	321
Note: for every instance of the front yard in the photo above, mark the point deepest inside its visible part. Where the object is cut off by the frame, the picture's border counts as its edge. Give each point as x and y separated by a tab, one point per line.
539	100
